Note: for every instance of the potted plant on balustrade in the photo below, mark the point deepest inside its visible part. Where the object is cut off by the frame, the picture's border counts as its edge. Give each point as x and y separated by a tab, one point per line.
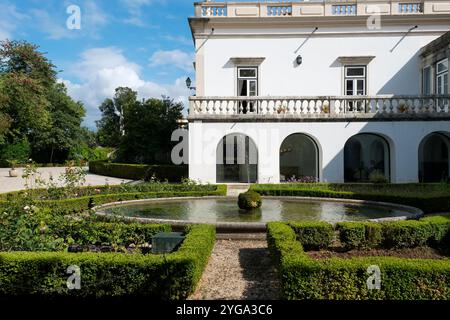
13	171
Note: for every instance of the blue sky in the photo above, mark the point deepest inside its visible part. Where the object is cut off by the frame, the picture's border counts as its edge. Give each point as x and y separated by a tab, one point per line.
143	44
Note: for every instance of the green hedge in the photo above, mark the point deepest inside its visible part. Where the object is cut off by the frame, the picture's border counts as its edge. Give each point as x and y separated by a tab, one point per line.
406	234
346	279
171	276
107	233
429	203
171	173
361	235
84	203
249	200
313	235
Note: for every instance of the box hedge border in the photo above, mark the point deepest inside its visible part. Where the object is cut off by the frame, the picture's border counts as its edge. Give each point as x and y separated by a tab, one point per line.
84	203
304	278
171	173
171	276
346	279
428	204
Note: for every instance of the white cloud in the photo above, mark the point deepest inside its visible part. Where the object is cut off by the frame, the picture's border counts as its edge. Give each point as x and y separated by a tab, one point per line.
101	70
92	19
177	58
10	20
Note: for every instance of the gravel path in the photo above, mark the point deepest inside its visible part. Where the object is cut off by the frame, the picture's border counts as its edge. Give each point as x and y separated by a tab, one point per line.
239	270
8	184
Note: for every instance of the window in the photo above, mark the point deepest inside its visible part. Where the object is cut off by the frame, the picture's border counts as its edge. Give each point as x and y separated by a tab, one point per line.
355	85
426	81
442	77
247	87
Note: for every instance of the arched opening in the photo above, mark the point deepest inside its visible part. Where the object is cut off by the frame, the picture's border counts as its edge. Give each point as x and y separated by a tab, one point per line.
366	158
236	160
434	158
299	159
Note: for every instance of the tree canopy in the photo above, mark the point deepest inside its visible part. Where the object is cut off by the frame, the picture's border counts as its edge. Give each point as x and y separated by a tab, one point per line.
141	130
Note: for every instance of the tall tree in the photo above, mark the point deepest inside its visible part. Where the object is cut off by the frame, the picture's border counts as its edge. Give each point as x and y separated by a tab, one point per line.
148	128
114	112
27	76
64	131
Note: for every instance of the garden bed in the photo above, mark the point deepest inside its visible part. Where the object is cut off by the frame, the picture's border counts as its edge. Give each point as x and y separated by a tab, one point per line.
408	270
168	276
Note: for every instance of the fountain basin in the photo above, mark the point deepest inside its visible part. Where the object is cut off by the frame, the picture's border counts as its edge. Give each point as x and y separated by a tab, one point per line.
225	214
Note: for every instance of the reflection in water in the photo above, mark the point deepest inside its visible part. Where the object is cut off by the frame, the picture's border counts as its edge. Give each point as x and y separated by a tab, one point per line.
226	210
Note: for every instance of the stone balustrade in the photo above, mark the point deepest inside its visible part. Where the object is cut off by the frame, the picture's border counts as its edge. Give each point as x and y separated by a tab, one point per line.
325	8
329	106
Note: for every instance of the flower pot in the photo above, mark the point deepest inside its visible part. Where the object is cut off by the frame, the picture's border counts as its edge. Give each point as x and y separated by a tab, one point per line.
13	173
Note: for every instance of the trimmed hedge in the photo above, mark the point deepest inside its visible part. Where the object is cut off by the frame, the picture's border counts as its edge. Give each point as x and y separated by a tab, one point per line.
361	235
107	233
313	235
406	234
85	203
346	279
427	203
171	173
249	200
171	276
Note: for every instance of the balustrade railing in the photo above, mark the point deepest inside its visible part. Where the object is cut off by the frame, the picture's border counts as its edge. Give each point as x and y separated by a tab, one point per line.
231	9
319	106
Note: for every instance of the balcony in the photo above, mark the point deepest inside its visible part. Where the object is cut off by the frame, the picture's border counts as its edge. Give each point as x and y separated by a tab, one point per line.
273	9
326	107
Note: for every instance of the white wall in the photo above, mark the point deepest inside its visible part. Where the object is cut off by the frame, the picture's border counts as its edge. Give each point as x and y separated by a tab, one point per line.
404	138
394	72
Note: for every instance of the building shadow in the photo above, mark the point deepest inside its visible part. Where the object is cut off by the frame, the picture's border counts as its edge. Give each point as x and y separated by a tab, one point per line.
260	274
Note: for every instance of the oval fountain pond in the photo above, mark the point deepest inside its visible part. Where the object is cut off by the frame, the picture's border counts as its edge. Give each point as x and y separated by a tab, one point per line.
225	210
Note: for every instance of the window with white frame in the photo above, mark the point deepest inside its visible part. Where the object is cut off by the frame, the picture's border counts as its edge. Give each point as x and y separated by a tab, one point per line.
426	81
247	86
442	77
355	85
355	80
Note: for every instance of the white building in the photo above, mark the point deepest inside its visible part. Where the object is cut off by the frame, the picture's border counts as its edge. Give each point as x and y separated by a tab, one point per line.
334	91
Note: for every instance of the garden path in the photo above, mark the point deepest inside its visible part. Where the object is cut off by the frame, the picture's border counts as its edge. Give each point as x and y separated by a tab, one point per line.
8	184
239	270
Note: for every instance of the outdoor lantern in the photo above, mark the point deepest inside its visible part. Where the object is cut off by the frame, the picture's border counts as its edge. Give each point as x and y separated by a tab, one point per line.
299	60
188	82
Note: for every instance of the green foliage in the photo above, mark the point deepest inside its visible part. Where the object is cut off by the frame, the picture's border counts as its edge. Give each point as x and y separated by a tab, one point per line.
173	276
171	173
148	127
34	107
406	234
360	235
313	235
346	279
18	151
64	131
108	126
249	200
427	197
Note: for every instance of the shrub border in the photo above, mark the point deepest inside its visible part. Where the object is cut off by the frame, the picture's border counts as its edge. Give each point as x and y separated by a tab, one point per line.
304	278
171	276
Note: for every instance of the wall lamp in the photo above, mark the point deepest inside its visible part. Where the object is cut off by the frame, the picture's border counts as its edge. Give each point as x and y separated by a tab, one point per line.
189	83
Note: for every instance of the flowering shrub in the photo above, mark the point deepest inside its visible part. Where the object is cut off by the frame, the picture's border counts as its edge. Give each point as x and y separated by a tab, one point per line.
302	179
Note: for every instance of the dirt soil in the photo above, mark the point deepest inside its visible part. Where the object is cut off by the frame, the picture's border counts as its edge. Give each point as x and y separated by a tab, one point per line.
408	253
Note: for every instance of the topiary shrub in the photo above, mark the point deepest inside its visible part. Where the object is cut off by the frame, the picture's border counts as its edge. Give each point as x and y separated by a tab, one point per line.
359	235
249	200
313	235
406	234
